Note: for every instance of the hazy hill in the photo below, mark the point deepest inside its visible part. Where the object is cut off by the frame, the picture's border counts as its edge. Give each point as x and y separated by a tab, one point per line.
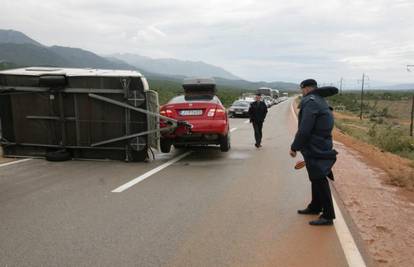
17	49
15	37
29	54
76	57
405	86
243	84
169	66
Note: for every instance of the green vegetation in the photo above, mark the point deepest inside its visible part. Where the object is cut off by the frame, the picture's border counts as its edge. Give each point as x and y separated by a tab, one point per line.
385	123
6	65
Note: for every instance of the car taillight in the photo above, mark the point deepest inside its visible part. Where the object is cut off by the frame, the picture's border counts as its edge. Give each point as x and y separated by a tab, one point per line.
220	113
214	112
220	110
167	112
211	112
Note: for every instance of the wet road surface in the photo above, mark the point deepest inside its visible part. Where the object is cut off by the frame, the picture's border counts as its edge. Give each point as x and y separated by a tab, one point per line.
208	209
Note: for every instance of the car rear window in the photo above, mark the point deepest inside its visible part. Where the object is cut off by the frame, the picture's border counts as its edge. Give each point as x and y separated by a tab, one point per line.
241	103
194	98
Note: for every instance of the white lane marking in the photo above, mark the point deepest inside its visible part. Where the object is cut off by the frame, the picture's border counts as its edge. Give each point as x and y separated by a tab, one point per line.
14	162
246	121
352	254
149	173
233	129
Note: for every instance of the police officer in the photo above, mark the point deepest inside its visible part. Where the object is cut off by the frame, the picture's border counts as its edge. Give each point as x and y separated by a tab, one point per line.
257	114
314	140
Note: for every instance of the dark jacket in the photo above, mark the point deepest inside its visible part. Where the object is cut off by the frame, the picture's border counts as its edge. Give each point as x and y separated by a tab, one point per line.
314	136
257	111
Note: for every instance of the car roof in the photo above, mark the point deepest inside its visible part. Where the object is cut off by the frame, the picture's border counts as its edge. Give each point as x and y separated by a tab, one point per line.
199	81
241	100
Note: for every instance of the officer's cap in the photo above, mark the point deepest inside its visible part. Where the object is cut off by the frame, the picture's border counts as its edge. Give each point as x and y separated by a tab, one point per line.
308	82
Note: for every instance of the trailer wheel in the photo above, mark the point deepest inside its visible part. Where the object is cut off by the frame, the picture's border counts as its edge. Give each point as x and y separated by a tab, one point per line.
139	156
165	145
225	143
60	155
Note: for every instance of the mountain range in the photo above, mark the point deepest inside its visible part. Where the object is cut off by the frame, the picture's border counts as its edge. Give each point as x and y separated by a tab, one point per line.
18	49
169	66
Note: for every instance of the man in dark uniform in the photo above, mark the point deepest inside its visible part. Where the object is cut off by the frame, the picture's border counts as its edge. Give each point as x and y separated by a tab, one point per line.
314	140
257	114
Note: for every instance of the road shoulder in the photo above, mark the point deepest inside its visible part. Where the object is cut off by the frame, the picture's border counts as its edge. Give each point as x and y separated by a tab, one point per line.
382	213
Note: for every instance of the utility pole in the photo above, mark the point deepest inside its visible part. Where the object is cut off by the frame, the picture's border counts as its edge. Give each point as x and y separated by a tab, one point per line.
362	95
412	118
412	107
340	86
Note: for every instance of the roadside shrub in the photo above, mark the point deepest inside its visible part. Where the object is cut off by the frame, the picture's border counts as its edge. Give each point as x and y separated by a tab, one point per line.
391	139
372	132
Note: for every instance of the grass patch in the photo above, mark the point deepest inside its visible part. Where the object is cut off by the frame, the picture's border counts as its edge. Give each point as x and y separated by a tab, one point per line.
384	125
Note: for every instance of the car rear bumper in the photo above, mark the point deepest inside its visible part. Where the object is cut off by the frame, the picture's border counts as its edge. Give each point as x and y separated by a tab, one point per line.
238	113
209	126
201	130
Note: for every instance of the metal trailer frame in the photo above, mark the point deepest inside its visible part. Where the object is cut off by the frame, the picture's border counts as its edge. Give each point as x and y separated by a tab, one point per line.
93	94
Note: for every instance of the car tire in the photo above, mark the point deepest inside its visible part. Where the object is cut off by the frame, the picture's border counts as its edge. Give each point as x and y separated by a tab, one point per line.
165	145
225	143
57	156
138	156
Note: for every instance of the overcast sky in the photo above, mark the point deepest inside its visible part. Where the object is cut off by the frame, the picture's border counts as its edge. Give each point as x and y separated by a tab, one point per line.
256	40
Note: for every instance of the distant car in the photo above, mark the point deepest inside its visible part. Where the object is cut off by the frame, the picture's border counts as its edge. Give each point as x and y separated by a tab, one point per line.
248	99
200	108
239	108
265	91
269	101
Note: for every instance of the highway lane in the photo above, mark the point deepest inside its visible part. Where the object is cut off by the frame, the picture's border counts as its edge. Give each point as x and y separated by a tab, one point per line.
208	209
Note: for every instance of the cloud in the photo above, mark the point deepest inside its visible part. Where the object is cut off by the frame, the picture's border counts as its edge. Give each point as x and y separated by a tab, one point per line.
258	40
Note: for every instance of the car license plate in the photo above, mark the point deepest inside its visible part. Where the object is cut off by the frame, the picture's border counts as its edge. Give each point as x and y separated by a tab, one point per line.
191	112
239	112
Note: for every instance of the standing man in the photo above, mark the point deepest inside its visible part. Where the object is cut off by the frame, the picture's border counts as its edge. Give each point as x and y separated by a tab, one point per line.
314	140
257	113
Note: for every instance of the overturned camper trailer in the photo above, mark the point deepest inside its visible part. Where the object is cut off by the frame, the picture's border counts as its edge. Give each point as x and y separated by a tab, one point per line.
80	113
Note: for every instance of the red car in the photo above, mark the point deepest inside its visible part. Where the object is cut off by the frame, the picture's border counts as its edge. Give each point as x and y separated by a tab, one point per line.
203	111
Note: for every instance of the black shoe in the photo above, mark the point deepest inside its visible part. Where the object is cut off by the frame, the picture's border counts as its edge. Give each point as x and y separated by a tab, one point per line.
321	221
256	145
308	211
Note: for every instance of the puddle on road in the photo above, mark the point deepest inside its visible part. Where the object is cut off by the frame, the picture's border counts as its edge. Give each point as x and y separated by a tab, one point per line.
210	156
239	155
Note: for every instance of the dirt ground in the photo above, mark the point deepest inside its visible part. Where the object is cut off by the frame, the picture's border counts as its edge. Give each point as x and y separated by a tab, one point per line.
399	170
382	212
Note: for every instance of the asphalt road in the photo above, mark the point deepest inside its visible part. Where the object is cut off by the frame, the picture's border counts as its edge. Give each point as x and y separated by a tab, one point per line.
208	209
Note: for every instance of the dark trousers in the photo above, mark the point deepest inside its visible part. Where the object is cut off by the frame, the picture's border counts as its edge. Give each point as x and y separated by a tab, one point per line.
257	126
322	198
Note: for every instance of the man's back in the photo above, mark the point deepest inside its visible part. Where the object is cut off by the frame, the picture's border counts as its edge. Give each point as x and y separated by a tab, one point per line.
257	111
316	123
